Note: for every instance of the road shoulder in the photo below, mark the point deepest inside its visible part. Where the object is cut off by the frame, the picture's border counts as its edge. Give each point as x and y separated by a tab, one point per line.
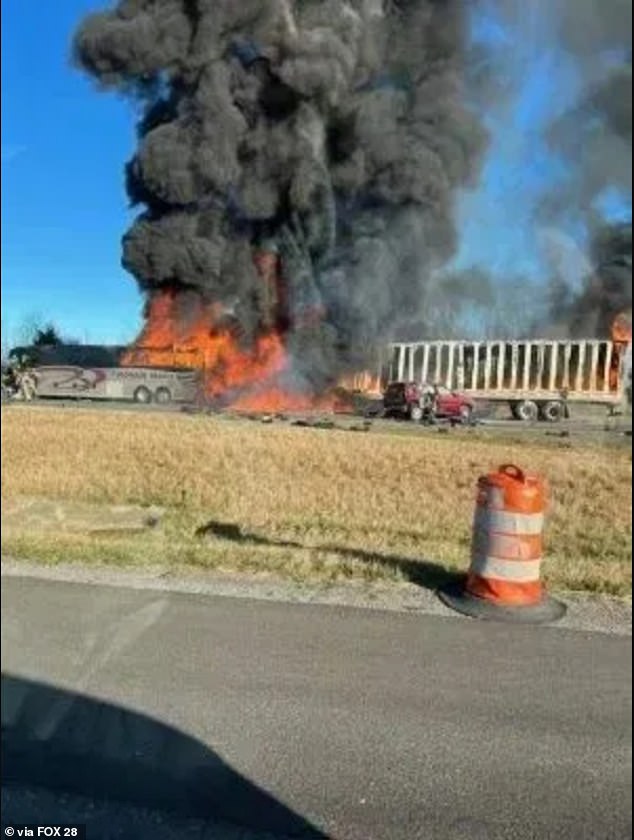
585	613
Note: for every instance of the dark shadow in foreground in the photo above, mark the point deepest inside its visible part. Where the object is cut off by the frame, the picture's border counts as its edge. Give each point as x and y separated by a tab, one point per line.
59	740
421	572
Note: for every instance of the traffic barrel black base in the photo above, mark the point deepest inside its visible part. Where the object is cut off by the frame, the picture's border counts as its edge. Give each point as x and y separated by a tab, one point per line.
545	611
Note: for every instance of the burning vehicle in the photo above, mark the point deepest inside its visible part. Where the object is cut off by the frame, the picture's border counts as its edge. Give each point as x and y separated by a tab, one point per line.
427	403
538	379
295	173
92	372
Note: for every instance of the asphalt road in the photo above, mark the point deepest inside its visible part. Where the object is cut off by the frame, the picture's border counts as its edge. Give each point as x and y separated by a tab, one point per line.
310	720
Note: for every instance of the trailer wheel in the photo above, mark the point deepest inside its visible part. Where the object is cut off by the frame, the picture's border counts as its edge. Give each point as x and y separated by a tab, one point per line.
142	395
526	411
163	396
552	411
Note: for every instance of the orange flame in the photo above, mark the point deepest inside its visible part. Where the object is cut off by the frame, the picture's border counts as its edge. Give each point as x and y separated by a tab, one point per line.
362	383
621	335
621	330
246	379
249	379
275	400
201	343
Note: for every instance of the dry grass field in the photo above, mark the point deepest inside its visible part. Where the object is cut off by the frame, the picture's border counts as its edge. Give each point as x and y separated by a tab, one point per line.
305	503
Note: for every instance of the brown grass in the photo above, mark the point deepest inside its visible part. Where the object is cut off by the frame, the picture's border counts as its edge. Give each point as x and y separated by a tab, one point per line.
306	502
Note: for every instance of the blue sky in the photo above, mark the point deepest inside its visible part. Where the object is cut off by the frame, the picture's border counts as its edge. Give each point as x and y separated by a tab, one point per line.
64	207
64	146
499	220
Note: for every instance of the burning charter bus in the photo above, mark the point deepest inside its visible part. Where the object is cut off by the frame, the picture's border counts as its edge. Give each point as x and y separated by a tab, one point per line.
64	371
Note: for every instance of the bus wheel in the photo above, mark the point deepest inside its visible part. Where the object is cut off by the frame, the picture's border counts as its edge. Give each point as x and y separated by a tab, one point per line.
143	395
551	412
526	410
163	396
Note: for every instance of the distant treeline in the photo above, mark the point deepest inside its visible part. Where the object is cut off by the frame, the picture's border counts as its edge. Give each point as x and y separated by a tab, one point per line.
78	355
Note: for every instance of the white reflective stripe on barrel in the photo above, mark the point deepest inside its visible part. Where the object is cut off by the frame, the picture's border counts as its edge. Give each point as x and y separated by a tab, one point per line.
516	571
504	546
505	522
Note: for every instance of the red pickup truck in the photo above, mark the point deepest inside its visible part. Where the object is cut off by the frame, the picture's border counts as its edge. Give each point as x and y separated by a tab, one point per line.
426	403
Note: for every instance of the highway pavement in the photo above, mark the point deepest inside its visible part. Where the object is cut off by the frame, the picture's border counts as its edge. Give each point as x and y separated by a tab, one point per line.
166	715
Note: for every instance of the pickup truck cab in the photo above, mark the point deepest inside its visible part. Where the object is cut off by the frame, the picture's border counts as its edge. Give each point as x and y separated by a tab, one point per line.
426	403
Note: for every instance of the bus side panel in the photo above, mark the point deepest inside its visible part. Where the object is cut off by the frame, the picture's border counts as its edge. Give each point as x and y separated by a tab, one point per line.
66	381
121	383
113	383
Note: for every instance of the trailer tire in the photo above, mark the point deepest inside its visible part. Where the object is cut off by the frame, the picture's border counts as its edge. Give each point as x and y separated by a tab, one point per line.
142	395
163	396
552	411
526	411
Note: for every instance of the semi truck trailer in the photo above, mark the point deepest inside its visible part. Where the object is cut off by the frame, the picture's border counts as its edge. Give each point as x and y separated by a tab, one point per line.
538	379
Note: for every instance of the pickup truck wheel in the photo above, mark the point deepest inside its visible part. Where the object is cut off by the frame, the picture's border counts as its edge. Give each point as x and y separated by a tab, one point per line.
163	396
552	411
526	410
416	413
142	395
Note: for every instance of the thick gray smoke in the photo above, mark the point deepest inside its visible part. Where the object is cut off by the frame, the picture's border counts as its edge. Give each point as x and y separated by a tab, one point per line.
588	46
595	134
554	78
330	130
607	290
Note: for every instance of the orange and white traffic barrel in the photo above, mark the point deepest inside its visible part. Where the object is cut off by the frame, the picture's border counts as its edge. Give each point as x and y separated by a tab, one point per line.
504	578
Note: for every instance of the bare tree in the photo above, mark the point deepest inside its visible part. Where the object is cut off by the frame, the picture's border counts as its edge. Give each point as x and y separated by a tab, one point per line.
36	331
47	336
474	305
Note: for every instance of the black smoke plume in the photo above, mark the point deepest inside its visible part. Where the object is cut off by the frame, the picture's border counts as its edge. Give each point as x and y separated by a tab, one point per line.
331	130
596	135
607	290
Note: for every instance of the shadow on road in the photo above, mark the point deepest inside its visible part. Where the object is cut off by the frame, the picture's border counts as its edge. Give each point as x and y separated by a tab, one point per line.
420	572
62	741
